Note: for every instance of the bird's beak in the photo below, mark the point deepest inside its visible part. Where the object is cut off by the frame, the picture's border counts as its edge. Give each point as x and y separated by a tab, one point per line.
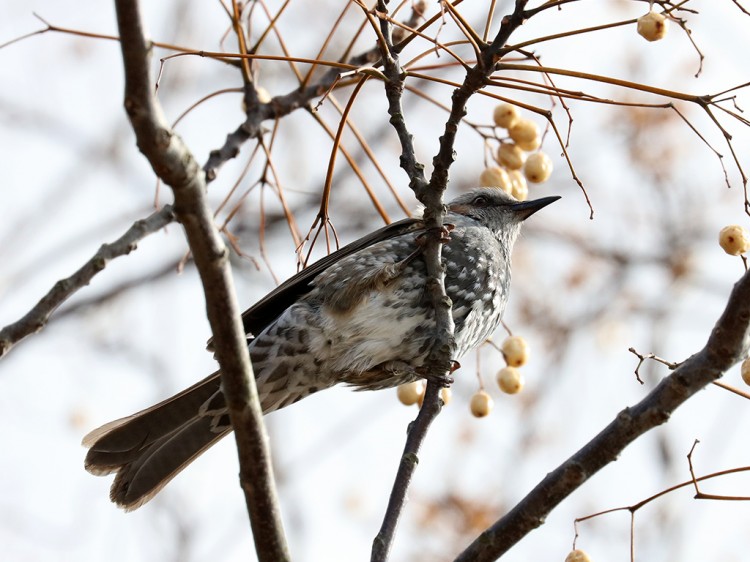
525	209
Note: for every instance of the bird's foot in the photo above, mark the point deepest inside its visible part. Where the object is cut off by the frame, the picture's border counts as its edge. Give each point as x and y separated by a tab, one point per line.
445	234
443	379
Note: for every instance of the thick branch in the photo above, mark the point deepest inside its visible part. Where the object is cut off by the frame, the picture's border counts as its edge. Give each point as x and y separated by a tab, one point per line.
728	344
175	165
36	318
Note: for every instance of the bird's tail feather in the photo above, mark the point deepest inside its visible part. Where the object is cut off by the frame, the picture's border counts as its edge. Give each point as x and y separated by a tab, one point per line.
149	448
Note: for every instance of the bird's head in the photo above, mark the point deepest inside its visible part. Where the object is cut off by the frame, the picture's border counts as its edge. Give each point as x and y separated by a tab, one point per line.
497	210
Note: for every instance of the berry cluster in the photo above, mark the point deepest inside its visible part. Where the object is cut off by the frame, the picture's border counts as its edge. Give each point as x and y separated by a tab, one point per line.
515	350
510	380
514	167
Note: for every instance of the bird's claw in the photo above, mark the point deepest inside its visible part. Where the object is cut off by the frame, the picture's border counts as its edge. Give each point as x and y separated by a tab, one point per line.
444	380
445	234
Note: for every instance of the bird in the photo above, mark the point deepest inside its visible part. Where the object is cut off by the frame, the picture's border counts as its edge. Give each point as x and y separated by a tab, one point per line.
359	316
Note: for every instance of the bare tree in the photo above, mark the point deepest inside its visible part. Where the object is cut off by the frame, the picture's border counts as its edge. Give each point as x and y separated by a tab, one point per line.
436	71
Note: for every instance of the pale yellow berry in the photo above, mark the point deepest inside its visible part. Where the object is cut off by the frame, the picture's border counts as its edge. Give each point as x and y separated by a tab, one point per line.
446	395
745	370
734	239
510	380
518	182
523	131
505	115
263	95
495	176
531	145
515	350
652	26
538	167
577	555
410	392
481	404
510	156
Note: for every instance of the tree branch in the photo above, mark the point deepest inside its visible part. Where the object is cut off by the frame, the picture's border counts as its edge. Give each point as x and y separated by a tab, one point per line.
175	165
36	318
728	344
439	361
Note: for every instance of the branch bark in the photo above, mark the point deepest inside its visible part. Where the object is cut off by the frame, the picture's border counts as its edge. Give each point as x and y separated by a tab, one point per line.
430	194
438	363
36	318
728	344
176	166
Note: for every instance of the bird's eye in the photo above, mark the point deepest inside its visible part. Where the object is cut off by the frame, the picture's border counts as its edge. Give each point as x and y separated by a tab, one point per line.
480	201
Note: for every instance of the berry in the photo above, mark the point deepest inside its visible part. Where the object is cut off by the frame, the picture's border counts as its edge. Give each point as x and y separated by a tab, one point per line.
505	115
577	555
520	188
734	240
263	95
494	176
529	146
652	26
410	392
538	167
510	156
523	131
515	350
445	395
745	370
510	380
481	404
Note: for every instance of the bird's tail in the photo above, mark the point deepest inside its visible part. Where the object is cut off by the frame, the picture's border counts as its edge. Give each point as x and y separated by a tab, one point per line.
149	448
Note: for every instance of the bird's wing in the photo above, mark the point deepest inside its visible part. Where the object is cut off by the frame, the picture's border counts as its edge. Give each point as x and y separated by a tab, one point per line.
269	308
